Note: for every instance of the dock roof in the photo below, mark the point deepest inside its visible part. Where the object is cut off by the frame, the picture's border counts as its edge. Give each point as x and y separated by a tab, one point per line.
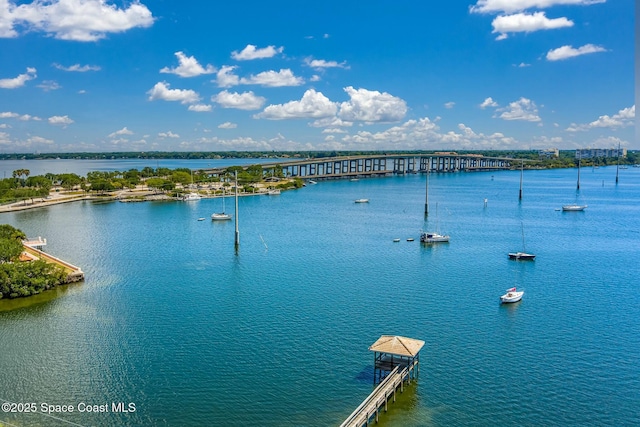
396	345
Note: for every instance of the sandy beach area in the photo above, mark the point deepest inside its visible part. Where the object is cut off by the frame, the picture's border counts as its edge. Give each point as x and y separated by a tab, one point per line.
137	195
56	198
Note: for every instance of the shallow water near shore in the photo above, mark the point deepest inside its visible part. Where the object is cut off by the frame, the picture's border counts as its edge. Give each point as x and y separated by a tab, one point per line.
172	319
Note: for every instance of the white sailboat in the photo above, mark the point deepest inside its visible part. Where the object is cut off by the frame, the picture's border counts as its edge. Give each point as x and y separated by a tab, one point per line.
522	255
575	207
221	216
429	236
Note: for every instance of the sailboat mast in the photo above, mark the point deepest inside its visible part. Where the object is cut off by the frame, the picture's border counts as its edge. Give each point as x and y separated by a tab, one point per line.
237	243
521	173
578	172
426	199
618	163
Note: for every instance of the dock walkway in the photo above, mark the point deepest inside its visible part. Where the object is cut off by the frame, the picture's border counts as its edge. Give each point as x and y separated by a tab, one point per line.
379	397
74	274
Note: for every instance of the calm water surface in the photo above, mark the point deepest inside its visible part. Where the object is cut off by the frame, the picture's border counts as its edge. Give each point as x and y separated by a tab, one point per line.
171	319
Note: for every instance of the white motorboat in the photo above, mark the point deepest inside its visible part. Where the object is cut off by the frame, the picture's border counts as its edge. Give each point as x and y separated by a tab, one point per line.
573	208
312	182
274	192
192	196
512	295
362	200
427	237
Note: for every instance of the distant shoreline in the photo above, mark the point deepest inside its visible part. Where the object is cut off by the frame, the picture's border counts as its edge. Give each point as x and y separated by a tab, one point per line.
125	197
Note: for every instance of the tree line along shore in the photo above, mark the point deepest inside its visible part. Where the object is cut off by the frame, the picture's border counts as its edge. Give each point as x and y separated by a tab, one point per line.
173	183
148	182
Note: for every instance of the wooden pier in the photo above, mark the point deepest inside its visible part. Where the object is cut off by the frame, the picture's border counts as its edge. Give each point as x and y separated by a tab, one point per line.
396	361
74	274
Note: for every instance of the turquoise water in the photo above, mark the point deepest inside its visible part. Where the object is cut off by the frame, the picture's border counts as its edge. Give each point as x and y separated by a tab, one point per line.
172	319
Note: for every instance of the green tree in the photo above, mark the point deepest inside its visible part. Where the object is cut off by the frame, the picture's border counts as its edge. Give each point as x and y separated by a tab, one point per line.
69	180
147	172
101	186
39	181
132	176
163	172
10	243
160	184
181	177
9	232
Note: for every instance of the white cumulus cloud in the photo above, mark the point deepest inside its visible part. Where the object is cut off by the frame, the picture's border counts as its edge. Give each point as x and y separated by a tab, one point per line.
334	130
241	101
161	91
27	117
449	105
284	77
330	122
321	63
168	134
623	118
48	85
20	80
488	102
60	120
77	68
522	109
568	51
123	131
371	106
526	23
189	67
424	133
227	125
313	105
509	6
252	52
78	20
200	108
226	78
39	140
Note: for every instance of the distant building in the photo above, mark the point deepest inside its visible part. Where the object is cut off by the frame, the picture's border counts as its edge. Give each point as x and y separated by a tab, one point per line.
548	153
590	153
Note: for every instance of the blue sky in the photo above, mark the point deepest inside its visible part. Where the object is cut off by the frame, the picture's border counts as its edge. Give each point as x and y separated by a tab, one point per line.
159	75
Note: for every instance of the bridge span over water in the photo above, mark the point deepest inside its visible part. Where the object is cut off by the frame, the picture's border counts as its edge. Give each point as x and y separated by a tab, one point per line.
381	164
